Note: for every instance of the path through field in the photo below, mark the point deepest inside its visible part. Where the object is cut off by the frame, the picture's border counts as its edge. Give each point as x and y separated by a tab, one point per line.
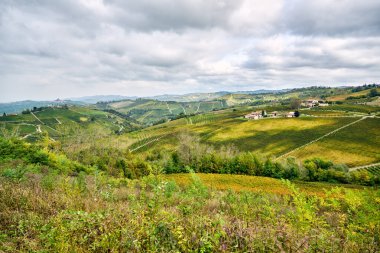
198	107
364	166
183	108
170	110
146	115
147	143
330	133
37	118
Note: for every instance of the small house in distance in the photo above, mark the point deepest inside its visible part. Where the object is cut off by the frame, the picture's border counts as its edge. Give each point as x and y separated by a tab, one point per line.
313	103
310	103
254	115
261	114
273	114
290	115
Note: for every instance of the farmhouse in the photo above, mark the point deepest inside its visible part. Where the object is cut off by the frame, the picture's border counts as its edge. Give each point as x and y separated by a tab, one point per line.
262	114
290	115
254	115
273	114
310	103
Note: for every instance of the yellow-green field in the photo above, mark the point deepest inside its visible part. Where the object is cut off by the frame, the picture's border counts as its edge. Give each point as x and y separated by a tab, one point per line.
254	184
355	145
353	94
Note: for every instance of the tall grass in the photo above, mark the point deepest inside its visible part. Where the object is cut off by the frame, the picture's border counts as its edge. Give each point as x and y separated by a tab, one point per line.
101	214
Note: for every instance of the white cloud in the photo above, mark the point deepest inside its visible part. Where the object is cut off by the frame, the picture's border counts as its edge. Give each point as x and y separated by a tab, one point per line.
69	48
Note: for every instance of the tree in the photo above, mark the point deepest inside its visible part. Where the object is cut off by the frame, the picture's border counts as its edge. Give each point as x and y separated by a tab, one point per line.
4	114
373	93
295	103
297	114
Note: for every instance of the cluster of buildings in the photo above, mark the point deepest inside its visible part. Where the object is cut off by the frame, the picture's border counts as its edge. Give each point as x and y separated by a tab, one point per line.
313	103
263	114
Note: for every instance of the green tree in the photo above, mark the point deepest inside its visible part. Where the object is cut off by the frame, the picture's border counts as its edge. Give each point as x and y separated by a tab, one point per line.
295	103
373	93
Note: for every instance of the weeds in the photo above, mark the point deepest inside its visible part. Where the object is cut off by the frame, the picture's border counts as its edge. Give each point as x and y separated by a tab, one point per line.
155	215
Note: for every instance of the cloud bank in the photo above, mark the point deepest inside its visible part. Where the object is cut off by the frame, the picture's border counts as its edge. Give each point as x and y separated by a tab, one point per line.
67	48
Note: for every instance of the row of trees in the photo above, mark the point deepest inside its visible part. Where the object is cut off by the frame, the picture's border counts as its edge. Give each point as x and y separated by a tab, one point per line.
191	155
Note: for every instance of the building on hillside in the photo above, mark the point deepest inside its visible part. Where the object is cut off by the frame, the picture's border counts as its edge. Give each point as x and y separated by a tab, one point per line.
310	103
254	115
273	114
323	104
290	115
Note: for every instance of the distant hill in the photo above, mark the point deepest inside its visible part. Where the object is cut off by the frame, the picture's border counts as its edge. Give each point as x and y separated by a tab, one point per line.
19	106
190	97
193	97
101	98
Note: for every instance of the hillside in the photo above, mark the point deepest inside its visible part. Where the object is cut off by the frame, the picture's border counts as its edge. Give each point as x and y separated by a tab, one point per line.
18	107
277	136
60	121
148	111
218	123
162	176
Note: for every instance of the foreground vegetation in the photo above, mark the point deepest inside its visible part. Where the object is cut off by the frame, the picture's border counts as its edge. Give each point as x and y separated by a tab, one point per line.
47	212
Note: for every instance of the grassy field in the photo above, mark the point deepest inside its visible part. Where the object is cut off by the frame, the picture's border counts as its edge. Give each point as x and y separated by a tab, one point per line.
268	136
330	113
355	145
241	183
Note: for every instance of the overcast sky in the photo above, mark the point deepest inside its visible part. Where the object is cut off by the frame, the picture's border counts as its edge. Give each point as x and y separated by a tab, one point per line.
70	48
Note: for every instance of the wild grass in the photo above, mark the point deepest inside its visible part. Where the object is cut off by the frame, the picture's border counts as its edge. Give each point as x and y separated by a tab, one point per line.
52	213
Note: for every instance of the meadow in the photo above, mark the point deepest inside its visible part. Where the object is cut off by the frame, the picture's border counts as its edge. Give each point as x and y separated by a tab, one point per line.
355	145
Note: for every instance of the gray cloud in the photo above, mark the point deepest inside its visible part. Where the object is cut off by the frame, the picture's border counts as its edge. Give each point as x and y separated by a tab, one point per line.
67	48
